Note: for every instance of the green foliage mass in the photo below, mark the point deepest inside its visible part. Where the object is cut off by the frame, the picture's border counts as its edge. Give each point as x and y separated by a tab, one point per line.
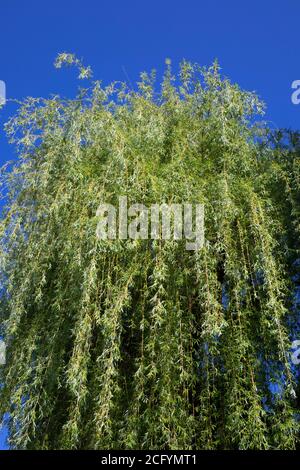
137	344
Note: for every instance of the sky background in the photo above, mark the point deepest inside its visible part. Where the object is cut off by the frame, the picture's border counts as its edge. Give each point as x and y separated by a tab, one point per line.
257	44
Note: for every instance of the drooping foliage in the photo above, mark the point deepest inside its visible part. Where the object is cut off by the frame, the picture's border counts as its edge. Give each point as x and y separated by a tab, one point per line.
140	344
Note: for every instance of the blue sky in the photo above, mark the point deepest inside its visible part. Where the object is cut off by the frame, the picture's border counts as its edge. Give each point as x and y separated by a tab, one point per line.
257	44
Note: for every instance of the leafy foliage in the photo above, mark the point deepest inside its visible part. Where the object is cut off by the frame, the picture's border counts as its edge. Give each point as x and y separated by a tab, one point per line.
136	344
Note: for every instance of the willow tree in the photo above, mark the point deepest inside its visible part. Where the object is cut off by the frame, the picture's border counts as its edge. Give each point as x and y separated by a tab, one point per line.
141	344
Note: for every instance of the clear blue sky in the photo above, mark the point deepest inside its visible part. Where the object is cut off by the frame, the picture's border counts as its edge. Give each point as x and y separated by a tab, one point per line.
256	42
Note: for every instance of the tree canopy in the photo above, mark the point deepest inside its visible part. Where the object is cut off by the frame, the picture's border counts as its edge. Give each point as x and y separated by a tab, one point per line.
140	344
